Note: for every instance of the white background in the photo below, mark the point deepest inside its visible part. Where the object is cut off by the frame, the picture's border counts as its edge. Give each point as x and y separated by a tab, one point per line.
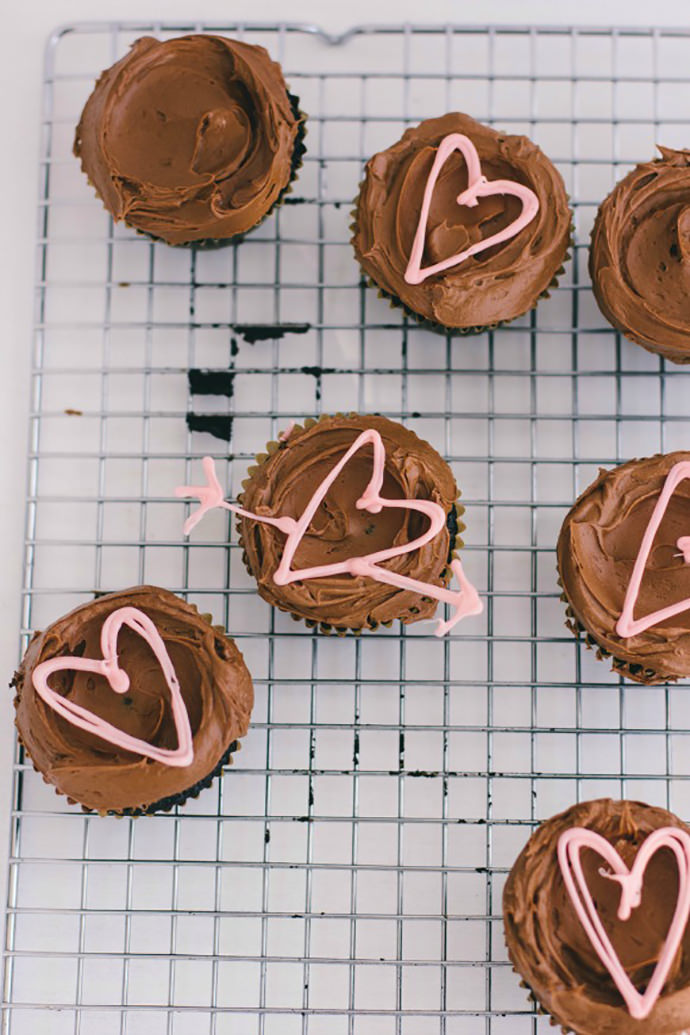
25	29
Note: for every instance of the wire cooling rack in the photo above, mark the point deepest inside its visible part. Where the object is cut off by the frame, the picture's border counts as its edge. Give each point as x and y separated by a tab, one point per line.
346	875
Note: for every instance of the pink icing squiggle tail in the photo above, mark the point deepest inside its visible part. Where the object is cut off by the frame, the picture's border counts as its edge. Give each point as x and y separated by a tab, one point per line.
570	845
211	496
464	601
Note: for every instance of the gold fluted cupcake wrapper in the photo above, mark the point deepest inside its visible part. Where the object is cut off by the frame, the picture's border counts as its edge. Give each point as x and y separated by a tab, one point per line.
532	998
454	524
637	673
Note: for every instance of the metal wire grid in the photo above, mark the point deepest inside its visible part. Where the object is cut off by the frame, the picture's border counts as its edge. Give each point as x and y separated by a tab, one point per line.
346	876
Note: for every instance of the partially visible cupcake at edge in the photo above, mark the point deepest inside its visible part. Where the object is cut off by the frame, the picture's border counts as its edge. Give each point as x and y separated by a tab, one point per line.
639	259
350	522
624	567
465	234
133	702
605	867
193	140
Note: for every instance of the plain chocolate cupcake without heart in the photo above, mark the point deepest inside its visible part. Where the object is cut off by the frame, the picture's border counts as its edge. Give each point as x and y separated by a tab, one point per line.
193	140
463	226
639	258
349	522
132	703
595	910
624	567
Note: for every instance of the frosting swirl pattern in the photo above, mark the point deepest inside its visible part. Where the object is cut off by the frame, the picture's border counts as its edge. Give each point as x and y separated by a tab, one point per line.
639	258
494	285
214	683
189	139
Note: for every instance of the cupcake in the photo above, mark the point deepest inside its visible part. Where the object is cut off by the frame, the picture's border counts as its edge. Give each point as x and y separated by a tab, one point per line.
463	226
595	911
193	140
349	522
624	566
132	702
639	259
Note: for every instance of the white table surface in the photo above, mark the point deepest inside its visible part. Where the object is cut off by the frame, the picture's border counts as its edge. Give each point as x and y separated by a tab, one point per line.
21	55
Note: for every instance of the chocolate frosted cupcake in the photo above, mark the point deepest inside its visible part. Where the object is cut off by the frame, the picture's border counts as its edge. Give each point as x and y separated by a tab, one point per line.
463	226
132	703
349	522
639	259
624	565
193	140
595	911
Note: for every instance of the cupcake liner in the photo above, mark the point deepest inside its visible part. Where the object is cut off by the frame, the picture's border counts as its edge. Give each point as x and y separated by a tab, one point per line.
554	1019
630	670
212	243
439	328
164	804
453	522
532	998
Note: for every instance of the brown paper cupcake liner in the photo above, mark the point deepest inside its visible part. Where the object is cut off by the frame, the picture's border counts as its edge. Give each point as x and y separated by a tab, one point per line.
555	1021
453	522
630	670
164	804
212	243
439	328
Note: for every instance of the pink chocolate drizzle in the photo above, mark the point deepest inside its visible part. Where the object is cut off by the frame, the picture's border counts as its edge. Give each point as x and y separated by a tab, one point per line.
570	845
464	601
108	666
627	625
477	187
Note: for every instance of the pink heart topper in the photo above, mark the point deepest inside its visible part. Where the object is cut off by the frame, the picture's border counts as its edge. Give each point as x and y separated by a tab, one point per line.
627	626
477	187
570	845
464	601
108	666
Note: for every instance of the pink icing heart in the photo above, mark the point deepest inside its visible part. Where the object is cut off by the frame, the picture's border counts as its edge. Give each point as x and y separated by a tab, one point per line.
477	187
570	845
108	666
626	625
464	601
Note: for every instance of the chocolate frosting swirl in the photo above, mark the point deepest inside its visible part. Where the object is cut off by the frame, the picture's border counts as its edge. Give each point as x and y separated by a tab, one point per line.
285	481
215	684
493	286
639	258
189	139
598	543
547	943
